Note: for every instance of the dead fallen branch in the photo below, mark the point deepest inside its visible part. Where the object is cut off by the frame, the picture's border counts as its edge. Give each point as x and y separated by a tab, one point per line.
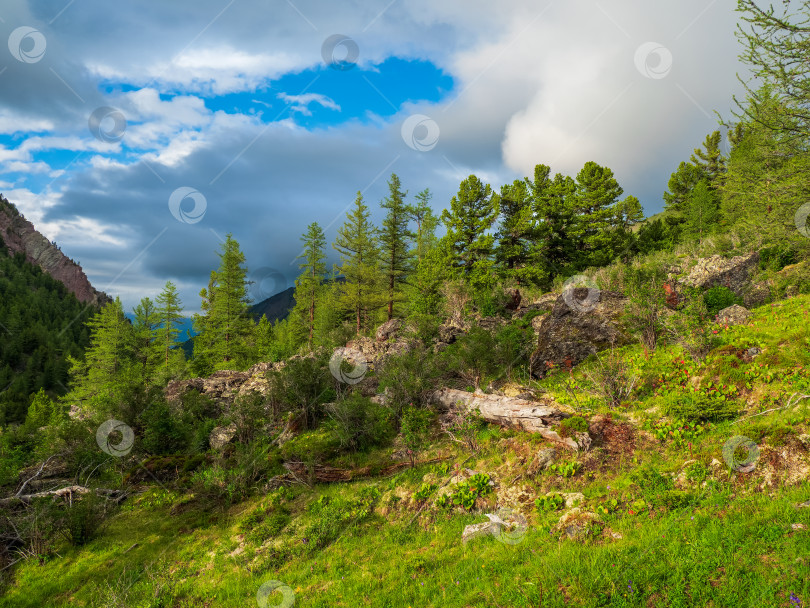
510	412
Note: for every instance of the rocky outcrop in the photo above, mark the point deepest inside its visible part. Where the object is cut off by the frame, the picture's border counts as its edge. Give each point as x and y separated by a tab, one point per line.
733	315
734	273
224	386
20	236
583	322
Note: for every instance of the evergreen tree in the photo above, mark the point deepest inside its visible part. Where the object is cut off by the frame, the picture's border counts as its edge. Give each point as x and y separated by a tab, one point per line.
426	224
702	213
517	234
106	371
202	362
767	174
169	312
776	46
225	324
554	202
359	254
263	340
681	183
395	237
472	213
309	282
145	345
710	160
598	193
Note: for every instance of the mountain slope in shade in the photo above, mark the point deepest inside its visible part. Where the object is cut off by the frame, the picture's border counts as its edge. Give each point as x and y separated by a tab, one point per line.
276	307
20	236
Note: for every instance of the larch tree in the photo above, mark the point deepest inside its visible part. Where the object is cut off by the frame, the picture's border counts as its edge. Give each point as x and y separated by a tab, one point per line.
395	239
169	311
426	223
309	282
146	346
359	254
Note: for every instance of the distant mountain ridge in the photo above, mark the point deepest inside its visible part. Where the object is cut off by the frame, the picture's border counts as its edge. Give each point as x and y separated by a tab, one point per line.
276	308
20	236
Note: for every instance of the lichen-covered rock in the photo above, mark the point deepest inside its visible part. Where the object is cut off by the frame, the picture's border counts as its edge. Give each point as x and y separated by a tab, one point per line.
226	385
733	315
733	273
388	330
583	322
575	524
222	436
542	461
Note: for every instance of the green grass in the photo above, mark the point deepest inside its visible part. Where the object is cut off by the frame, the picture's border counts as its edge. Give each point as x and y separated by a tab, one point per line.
719	540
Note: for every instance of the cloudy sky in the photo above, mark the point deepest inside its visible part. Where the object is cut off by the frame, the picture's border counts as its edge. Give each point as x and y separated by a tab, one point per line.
137	134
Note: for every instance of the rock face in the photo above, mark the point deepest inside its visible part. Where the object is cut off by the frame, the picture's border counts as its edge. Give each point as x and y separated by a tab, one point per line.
224	386
20	236
733	315
734	273
583	322
222	436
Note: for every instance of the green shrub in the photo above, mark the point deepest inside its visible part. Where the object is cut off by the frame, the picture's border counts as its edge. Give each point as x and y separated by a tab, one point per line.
718	298
359	423
315	446
265	522
415	428
777	257
572	425
84	518
302	386
651	482
700	407
409	379
163	432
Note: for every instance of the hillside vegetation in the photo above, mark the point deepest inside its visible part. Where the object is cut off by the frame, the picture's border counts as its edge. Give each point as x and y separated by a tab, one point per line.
318	460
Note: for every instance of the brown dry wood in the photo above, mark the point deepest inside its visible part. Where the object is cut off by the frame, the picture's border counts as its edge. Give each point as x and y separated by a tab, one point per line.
511	412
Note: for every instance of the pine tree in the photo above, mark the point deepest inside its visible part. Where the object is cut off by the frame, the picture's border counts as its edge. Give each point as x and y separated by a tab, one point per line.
395	257
517	234
472	213
169	311
359	254
680	186
710	160
554	203
597	194
309	282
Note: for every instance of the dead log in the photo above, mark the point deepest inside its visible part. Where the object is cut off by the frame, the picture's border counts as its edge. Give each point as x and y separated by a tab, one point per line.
511	412
66	493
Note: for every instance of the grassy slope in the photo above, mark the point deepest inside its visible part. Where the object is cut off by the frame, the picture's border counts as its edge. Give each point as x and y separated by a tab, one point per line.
722	540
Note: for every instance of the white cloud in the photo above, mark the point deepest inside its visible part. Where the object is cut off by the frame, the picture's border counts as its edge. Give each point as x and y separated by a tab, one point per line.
300	103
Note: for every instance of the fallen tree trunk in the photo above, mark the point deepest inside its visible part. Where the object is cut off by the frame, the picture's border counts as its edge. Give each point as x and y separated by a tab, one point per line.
66	493
511	412
300	472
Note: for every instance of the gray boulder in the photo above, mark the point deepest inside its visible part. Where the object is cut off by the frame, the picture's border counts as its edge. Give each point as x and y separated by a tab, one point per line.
583	322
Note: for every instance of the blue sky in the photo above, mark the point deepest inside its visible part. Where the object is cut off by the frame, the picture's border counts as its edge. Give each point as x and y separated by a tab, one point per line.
137	136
